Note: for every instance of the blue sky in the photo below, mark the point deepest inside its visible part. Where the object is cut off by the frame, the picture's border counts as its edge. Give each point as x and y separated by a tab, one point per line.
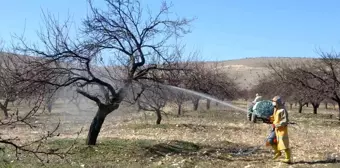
223	30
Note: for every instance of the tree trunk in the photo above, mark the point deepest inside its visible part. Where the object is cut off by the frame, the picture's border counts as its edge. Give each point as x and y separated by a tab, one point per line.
103	111
49	107
139	107
315	108
159	117
290	106
195	103
339	110
179	111
6	113
97	122
326	105
78	107
208	104
4	108
306	104
300	107
95	127
296	104
50	102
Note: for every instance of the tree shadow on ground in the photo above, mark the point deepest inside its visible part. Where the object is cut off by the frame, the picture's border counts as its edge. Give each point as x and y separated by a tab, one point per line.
191	127
222	151
173	147
326	161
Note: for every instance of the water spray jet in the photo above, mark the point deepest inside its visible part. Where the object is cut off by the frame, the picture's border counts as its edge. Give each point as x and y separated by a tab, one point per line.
207	96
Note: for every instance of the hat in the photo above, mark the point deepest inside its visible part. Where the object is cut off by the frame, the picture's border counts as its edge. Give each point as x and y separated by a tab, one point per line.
278	100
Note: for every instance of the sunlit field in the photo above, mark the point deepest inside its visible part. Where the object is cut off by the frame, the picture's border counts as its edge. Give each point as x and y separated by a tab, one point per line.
218	137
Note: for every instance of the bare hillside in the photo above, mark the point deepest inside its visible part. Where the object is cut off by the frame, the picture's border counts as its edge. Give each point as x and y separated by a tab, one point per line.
248	71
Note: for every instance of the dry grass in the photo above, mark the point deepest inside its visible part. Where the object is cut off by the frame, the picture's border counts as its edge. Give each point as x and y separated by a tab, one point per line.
219	137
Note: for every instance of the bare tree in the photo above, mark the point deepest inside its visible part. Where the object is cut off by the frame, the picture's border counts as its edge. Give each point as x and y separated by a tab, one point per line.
7	89
313	81
209	78
131	38
315	98
245	94
12	88
154	98
76	100
178	97
196	81
328	101
51	98
35	94
268	86
274	84
299	97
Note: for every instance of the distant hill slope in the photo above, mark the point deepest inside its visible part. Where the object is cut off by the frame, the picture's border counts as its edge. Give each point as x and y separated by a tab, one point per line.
248	71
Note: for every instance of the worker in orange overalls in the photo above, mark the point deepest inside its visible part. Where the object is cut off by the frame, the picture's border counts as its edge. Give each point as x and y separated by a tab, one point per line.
280	121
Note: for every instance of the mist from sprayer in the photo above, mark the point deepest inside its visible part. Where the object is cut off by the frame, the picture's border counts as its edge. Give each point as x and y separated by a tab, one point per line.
207	97
82	114
76	111
89	107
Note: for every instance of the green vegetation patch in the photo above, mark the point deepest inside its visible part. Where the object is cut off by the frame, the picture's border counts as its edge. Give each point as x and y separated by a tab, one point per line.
129	153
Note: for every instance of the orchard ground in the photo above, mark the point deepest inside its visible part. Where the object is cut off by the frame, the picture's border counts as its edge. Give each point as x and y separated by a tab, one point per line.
219	137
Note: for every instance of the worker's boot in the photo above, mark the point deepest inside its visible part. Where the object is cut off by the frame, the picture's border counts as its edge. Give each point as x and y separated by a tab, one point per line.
287	156
277	153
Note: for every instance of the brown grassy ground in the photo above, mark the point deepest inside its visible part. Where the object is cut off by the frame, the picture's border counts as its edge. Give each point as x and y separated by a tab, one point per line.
219	137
